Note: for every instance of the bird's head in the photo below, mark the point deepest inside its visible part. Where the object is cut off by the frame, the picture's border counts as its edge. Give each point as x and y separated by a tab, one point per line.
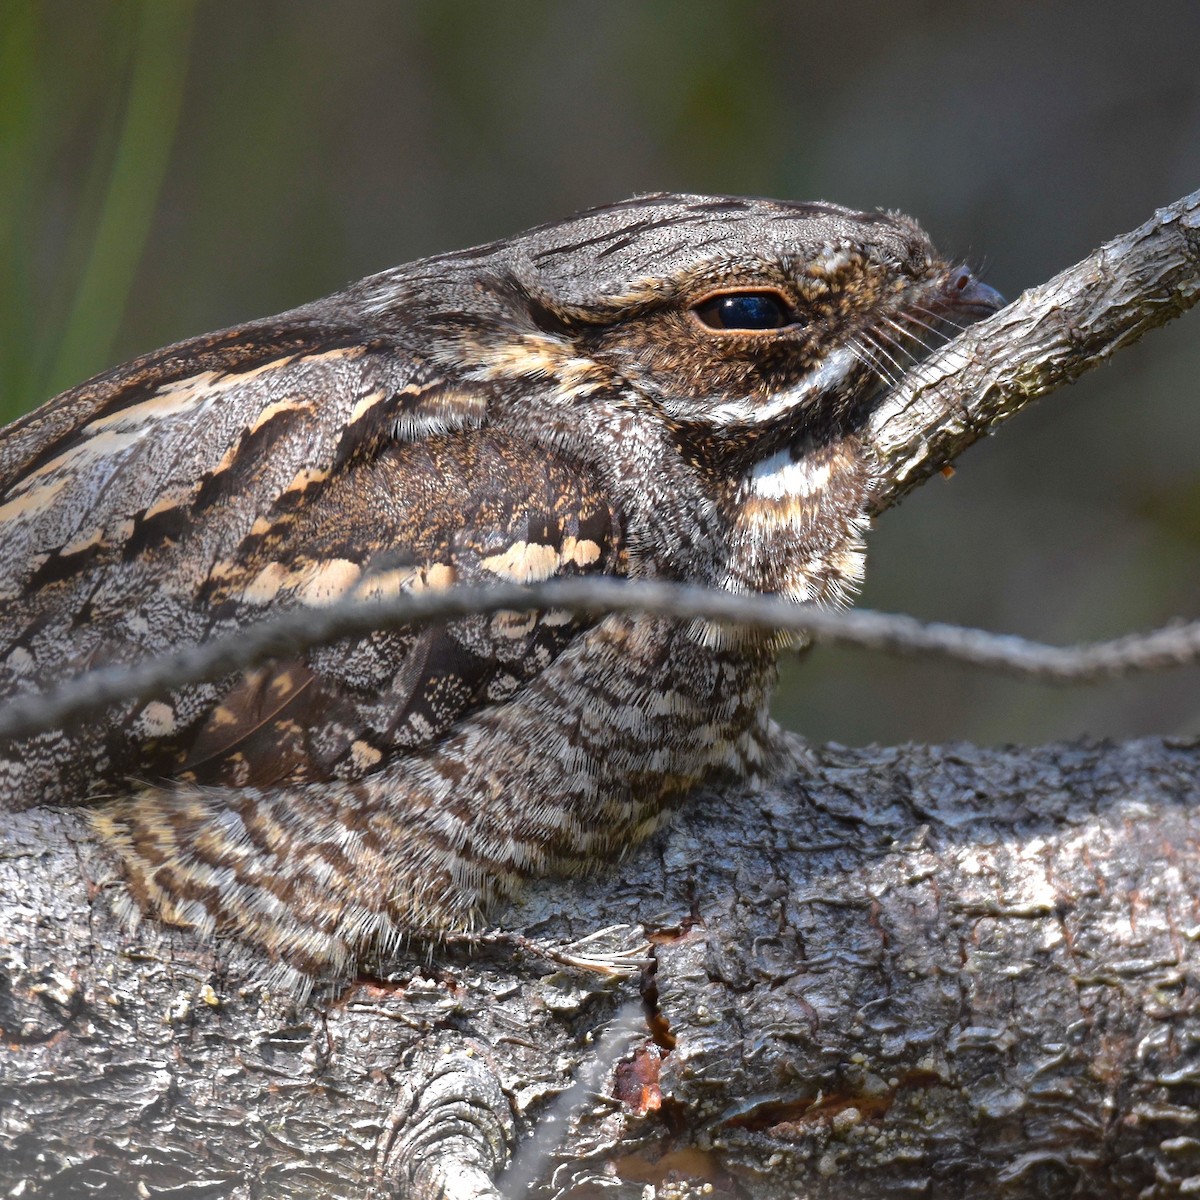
714	355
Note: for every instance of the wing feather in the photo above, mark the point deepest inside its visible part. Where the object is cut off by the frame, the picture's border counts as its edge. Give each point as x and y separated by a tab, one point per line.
512	515
263	468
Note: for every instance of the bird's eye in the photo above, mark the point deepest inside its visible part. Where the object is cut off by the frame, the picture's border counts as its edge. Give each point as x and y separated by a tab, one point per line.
745	310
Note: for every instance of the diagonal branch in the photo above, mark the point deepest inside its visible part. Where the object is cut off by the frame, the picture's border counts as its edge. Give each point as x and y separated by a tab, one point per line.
1048	337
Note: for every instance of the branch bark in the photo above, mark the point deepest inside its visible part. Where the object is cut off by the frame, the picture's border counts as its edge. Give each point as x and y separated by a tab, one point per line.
1048	337
901	970
910	971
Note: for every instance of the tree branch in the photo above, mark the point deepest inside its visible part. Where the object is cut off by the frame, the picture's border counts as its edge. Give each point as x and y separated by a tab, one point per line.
895	972
300	631
1047	338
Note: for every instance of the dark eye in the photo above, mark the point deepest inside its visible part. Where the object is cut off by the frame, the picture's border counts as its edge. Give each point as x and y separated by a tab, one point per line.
745	310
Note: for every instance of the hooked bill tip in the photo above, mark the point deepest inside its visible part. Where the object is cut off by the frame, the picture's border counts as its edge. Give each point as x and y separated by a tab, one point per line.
963	292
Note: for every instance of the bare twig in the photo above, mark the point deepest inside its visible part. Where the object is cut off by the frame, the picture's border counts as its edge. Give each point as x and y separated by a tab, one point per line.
1048	337
532	1157
303	630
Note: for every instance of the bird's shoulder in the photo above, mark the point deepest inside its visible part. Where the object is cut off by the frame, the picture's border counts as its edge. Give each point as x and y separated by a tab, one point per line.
280	465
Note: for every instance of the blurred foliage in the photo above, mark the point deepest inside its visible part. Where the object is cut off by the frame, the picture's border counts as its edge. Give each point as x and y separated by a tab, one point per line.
169	167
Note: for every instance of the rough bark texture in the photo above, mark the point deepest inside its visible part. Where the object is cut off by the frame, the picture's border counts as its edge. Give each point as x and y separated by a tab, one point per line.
915	971
1048	337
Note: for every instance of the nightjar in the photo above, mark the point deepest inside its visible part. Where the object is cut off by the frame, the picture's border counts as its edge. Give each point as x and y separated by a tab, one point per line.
671	387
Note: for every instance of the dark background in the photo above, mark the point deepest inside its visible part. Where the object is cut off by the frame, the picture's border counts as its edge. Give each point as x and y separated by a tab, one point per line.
168	168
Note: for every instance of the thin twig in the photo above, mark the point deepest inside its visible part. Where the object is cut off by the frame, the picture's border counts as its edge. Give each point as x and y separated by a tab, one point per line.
533	1155
1048	337
302	630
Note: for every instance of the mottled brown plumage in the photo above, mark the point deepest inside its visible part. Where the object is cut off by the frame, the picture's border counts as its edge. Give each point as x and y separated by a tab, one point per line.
671	386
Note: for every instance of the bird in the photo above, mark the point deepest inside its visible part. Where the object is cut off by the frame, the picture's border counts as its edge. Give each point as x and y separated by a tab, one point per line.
671	387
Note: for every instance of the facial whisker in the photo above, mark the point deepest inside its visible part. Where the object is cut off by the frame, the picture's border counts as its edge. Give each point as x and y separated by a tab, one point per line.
912	319
873	341
907	334
899	367
874	366
940	317
915	371
879	354
866	356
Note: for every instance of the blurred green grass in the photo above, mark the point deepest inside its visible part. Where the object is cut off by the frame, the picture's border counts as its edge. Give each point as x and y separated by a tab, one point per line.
121	179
